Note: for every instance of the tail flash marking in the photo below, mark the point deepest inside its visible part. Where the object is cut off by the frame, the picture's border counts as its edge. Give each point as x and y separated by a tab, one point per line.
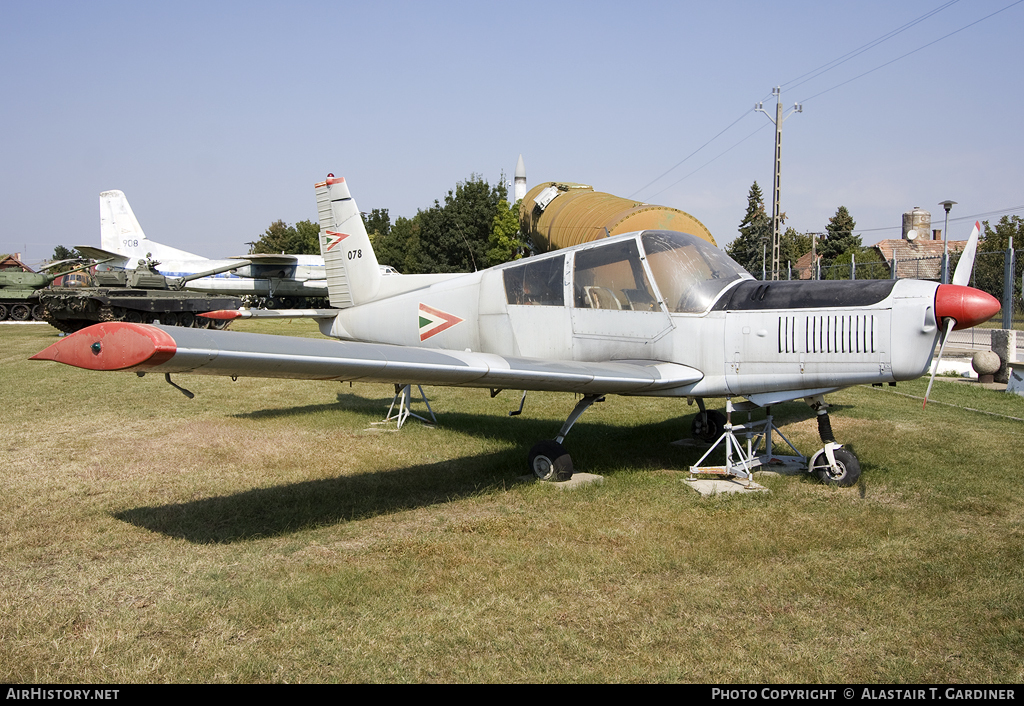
334	238
434	321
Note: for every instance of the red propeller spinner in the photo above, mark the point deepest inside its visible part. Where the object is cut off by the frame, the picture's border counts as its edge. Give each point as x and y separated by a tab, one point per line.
966	305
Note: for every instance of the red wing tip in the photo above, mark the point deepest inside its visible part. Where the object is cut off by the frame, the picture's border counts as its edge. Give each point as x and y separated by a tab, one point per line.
114	345
223	314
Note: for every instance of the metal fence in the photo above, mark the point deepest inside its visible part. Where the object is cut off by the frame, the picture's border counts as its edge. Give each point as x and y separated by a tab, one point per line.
999	273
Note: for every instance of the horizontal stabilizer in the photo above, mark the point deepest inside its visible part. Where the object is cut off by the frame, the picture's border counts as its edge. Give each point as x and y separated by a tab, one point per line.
114	259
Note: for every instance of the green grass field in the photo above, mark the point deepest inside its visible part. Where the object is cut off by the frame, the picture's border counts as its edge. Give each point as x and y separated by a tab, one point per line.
270	531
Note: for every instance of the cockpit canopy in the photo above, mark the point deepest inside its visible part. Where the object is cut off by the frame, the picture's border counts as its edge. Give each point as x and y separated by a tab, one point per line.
688	272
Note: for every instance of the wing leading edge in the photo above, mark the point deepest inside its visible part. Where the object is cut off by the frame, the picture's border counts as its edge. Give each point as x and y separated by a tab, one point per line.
148	348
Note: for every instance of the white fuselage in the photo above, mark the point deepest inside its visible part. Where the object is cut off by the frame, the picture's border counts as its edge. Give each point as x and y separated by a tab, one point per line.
813	343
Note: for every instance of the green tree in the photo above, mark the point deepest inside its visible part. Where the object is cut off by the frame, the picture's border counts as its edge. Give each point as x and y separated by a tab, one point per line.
301	239
750	249
62	253
400	246
378	224
455	237
506	240
793	246
839	237
869	263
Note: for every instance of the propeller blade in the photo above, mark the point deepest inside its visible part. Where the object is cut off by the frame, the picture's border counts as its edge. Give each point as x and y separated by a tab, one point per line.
950	323
965	267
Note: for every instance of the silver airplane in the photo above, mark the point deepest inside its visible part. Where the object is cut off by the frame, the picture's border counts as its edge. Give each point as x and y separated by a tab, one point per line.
279	278
652	313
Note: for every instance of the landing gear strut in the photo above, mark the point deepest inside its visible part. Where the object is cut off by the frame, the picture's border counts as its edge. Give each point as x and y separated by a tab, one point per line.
548	459
833	464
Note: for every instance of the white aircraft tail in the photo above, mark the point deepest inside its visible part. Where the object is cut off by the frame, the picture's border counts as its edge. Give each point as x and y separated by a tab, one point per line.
121	233
353	275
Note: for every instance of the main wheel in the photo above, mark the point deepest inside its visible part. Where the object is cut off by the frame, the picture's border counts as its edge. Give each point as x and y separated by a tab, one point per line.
21	312
708	425
847	469
3	312
550	461
37	312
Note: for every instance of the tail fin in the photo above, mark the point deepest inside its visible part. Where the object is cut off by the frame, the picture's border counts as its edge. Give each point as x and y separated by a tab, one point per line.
120	231
353	275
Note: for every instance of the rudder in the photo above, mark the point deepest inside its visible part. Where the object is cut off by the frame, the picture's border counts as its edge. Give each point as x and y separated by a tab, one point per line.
353	274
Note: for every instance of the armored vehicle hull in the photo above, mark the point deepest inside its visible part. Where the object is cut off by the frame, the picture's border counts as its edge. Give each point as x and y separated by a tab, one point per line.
69	309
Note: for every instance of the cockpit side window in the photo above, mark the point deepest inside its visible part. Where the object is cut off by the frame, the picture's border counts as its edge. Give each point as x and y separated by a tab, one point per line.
689	271
537	283
612	277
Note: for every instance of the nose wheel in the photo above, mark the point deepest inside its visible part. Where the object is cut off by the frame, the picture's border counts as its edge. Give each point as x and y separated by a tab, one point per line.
834	465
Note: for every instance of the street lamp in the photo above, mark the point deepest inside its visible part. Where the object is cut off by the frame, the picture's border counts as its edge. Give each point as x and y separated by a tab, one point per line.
947	204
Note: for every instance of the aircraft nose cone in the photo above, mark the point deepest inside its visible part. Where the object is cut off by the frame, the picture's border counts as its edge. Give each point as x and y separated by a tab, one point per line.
967	305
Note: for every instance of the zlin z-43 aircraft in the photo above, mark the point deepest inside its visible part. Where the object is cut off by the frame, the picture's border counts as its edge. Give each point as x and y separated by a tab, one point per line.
652	313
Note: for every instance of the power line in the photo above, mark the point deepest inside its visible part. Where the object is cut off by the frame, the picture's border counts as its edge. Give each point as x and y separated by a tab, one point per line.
745	114
720	154
904	56
817	72
860	50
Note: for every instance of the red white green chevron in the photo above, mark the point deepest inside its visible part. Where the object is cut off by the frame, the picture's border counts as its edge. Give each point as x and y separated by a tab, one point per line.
434	321
333	238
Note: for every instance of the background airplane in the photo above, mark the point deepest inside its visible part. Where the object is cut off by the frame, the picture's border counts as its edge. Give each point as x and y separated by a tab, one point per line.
278	278
652	313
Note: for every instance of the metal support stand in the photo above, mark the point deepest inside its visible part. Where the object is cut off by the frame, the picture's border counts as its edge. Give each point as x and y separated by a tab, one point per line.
403	397
742	459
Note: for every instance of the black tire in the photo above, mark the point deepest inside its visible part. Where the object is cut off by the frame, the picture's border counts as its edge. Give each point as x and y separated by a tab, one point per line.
37	312
21	312
708	425
3	312
549	461
848	468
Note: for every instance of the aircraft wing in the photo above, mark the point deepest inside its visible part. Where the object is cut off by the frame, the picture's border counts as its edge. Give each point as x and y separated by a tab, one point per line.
118	345
100	254
267	259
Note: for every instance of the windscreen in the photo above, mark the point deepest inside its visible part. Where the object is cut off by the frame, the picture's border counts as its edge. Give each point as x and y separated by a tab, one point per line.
689	271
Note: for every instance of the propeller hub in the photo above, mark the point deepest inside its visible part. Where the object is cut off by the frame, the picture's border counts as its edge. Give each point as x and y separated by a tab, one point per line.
966	305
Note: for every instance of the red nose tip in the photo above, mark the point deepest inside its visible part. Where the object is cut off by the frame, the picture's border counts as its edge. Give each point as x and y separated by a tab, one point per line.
968	306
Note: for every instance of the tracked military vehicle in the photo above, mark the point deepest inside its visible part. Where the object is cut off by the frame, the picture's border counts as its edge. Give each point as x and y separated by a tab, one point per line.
17	290
142	295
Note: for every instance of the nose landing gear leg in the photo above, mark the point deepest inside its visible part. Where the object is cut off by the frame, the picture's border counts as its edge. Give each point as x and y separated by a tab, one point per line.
833	464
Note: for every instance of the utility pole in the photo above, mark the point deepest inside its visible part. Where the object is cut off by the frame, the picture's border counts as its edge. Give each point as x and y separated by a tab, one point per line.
776	185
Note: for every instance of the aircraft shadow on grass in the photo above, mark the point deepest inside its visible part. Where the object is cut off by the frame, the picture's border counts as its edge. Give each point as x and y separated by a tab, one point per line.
283	509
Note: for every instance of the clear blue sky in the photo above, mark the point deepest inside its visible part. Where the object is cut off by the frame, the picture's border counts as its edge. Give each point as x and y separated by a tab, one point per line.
216	118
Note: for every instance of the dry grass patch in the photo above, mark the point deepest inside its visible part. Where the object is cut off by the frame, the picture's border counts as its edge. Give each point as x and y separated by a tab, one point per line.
266	531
